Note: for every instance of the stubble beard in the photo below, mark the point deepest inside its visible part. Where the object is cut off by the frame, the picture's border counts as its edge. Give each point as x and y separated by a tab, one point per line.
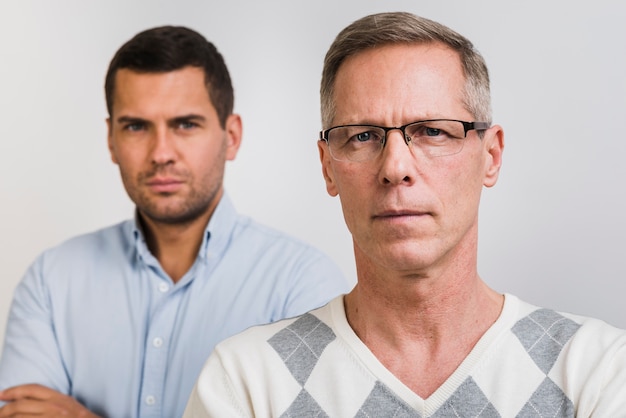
194	206
170	209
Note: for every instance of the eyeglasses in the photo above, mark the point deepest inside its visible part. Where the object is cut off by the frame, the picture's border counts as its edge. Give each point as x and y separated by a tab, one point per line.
435	137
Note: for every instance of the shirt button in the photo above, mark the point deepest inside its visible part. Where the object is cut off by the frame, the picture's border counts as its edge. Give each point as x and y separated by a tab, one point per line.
157	342
163	287
150	400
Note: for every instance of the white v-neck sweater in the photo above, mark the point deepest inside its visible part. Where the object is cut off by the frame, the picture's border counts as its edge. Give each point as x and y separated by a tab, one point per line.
532	362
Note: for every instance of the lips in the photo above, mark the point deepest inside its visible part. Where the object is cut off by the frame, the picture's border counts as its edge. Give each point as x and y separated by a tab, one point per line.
164	185
400	213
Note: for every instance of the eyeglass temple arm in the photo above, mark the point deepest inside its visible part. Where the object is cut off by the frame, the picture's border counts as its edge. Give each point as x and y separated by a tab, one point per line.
479	126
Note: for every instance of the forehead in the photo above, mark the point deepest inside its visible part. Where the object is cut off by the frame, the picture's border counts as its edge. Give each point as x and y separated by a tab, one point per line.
396	84
148	90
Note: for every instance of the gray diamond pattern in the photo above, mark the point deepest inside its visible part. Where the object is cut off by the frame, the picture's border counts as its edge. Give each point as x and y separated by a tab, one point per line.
301	344
548	401
543	334
382	403
467	401
304	406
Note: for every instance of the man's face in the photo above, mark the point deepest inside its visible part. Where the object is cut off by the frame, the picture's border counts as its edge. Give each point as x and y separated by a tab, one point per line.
406	211
165	136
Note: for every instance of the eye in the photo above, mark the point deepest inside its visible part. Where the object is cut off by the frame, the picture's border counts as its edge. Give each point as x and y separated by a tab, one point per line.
186	125
364	136
432	131
134	126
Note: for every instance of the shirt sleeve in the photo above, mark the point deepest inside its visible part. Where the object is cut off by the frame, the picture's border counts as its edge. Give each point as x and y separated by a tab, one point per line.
31	352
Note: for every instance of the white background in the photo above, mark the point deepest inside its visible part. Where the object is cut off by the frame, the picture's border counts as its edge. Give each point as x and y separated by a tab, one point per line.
552	230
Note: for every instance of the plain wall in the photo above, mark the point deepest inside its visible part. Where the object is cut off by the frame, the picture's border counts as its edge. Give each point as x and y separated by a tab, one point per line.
551	231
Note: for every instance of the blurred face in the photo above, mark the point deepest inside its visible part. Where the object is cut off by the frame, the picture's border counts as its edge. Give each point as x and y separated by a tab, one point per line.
407	211
165	136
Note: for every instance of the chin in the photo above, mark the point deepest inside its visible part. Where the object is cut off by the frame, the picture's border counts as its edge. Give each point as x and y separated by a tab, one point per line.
402	257
173	216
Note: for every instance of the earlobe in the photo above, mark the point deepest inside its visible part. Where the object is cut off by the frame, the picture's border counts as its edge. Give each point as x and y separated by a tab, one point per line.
234	133
331	187
494	138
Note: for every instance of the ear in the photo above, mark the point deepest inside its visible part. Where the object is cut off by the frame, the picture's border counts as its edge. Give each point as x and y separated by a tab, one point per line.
494	146
110	140
327	172
234	132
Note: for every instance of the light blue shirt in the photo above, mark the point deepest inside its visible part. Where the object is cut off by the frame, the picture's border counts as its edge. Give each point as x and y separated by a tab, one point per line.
97	317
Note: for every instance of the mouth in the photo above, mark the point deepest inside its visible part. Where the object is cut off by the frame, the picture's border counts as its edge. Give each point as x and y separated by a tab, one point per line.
401	216
164	185
400	213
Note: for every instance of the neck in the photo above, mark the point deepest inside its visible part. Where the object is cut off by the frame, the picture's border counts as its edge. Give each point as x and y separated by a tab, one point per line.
434	298
421	310
176	246
421	325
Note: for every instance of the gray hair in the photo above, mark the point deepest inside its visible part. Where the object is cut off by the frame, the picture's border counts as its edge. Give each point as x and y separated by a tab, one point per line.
382	29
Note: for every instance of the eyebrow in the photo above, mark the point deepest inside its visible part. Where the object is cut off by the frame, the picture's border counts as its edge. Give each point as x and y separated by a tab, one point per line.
176	119
129	119
190	117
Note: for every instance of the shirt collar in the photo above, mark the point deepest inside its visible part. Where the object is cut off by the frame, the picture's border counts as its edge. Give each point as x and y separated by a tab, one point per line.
218	229
138	238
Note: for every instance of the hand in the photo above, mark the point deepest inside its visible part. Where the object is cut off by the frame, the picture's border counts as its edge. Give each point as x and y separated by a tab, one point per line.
37	400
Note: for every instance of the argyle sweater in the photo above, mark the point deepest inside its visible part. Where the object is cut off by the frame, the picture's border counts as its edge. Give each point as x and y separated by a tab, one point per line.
532	362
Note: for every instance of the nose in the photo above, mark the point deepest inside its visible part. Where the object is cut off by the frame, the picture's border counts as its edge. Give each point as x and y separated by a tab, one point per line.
398	162
163	150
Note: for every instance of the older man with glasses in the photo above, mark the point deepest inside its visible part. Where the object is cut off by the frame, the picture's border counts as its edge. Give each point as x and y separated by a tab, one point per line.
408	145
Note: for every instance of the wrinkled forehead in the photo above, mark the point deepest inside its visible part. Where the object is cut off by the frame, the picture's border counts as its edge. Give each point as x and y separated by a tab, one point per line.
395	84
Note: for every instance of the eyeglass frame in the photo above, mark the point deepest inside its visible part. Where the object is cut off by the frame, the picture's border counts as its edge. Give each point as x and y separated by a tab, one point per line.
467	126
